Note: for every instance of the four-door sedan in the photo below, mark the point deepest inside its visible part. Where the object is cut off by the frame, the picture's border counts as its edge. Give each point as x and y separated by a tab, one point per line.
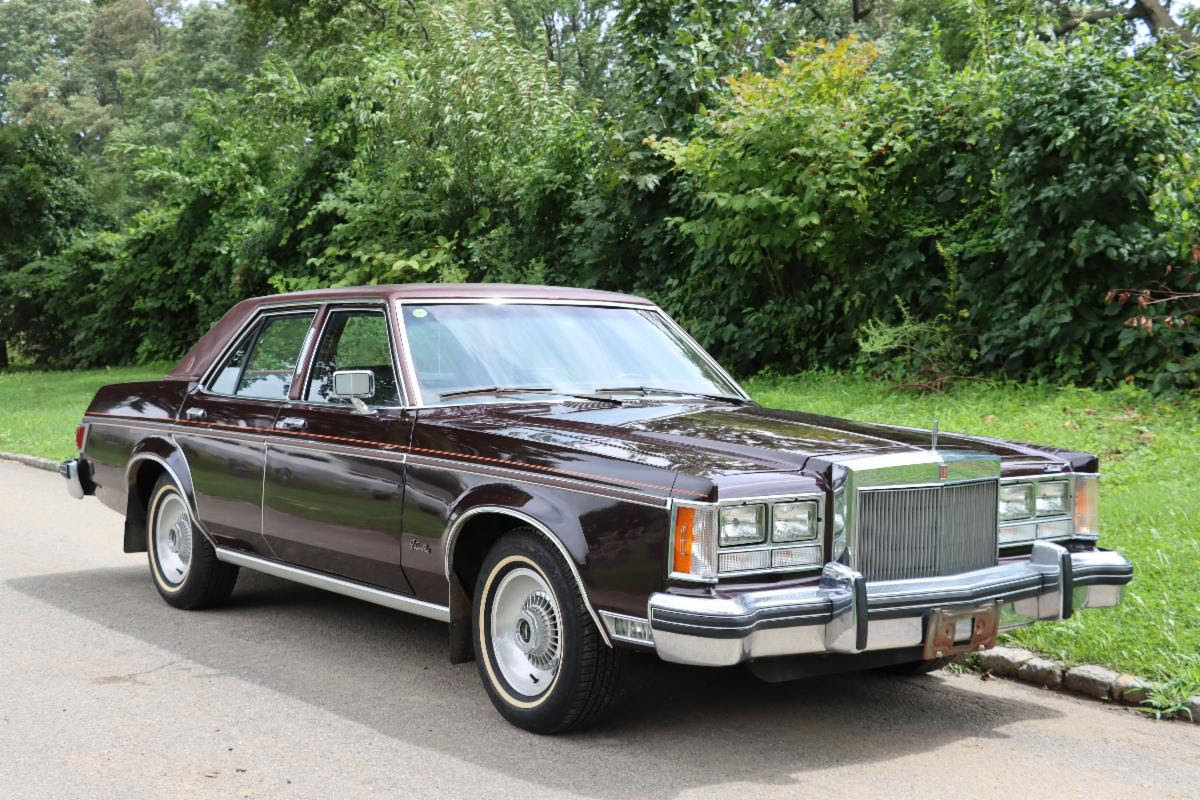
565	476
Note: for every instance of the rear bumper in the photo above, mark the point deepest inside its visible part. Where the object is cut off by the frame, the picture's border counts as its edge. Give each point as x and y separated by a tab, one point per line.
78	473
845	614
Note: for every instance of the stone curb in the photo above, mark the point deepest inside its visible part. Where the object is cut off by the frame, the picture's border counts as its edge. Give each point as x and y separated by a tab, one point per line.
1091	680
31	461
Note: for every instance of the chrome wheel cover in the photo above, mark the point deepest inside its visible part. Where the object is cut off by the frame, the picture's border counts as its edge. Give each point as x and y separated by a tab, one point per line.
526	631
173	539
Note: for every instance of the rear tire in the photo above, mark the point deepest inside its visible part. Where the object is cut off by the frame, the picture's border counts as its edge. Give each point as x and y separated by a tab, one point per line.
541	658
183	564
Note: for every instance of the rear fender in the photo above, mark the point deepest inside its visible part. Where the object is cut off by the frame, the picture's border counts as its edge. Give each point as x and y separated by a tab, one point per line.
150	458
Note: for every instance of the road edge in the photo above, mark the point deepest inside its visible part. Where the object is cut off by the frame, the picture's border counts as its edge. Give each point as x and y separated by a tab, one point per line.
31	461
1089	680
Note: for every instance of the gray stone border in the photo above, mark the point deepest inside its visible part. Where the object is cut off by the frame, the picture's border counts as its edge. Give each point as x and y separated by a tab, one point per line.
31	461
1003	662
1091	680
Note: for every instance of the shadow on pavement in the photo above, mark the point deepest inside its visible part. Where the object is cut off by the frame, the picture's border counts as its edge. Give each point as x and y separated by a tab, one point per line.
388	670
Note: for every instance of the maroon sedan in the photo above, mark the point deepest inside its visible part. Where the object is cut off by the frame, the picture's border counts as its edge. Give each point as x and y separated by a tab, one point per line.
565	476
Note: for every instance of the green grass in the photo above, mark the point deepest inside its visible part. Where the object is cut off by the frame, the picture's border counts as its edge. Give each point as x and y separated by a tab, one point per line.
39	410
1150	500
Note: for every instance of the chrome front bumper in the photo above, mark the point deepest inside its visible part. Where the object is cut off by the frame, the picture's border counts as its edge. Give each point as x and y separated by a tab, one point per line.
846	614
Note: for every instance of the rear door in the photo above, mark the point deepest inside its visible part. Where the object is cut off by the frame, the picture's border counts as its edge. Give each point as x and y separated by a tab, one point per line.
225	422
334	485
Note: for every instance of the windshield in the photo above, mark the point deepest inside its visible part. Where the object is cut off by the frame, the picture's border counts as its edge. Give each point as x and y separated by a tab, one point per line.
513	349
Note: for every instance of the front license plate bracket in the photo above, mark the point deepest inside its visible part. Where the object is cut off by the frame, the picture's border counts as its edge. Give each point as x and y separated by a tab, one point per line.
942	624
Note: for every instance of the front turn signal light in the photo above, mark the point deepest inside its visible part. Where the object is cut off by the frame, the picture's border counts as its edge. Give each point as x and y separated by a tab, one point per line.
685	526
1087	505
694	544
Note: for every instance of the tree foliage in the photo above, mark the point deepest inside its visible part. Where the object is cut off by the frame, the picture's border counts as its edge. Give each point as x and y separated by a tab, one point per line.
789	179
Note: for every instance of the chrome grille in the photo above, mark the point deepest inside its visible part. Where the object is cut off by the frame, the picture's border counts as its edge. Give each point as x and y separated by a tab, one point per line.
925	531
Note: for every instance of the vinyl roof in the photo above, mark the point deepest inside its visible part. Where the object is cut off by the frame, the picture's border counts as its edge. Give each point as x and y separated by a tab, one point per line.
193	365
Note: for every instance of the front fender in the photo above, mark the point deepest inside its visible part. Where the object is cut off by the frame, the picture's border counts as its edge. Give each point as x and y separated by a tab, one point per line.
554	521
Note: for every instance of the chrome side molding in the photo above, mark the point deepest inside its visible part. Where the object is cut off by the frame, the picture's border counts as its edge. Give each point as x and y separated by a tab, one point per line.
330	583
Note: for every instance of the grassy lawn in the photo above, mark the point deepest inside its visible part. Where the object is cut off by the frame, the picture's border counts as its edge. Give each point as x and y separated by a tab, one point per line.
1150	501
39	410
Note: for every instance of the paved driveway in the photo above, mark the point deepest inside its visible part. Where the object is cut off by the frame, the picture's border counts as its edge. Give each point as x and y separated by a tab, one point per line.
290	692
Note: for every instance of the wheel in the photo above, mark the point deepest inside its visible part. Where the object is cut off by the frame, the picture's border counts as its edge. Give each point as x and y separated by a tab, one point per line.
185	567
921	667
542	660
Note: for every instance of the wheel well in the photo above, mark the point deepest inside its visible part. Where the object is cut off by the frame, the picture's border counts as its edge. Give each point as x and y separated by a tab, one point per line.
137	505
472	543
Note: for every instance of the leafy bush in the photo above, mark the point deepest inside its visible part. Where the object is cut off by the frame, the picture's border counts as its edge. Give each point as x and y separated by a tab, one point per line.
828	188
997	185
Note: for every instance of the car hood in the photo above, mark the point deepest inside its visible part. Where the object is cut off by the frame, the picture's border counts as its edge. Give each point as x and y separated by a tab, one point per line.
708	439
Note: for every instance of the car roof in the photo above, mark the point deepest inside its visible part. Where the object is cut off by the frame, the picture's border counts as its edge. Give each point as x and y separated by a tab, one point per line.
458	291
197	360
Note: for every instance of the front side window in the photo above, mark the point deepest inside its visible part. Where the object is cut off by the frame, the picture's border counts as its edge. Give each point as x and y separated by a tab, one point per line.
354	340
263	362
550	348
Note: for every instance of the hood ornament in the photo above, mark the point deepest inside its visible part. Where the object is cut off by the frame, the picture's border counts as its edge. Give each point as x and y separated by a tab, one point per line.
934	431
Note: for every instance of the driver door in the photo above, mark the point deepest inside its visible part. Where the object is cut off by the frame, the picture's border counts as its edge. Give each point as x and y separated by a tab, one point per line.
334	484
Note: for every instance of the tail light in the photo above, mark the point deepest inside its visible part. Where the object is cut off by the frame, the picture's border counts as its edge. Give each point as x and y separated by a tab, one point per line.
80	435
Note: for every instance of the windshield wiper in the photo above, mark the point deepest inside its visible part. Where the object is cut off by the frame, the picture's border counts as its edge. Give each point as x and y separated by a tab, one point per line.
496	390
645	390
501	391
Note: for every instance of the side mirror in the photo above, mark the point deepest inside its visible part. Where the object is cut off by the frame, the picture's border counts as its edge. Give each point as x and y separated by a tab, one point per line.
354	385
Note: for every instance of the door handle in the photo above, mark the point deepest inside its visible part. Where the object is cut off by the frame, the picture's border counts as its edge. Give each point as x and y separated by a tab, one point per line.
195	413
291	424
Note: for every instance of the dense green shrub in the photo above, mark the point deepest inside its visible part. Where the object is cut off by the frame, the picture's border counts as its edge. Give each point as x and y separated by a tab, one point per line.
831	188
996	184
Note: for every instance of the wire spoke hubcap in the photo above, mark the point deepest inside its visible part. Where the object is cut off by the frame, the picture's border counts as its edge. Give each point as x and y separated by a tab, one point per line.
173	539
526	631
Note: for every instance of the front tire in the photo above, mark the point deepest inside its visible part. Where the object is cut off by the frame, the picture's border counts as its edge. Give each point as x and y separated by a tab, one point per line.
183	564
540	656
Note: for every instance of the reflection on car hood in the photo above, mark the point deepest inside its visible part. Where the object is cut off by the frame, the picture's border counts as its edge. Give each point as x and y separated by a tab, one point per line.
704	438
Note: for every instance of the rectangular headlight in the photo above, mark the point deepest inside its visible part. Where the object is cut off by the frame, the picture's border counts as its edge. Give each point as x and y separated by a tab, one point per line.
1052	497
794	522
1087	505
743	525
1016	501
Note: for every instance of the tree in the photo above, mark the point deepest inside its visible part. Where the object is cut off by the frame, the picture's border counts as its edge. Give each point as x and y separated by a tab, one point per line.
36	34
1153	13
44	201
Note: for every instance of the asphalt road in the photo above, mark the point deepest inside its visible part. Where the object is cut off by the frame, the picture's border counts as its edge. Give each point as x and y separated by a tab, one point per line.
290	692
